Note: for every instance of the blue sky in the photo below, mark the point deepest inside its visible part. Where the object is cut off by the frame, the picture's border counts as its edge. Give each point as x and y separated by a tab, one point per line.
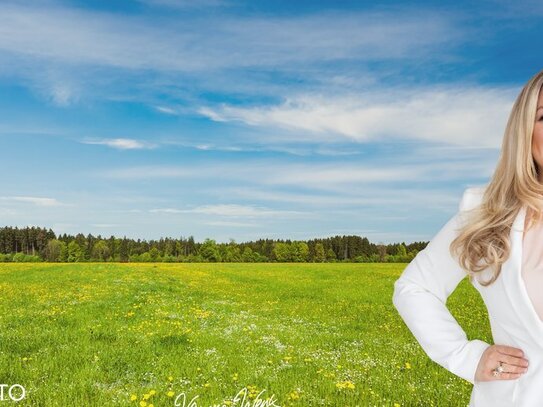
246	120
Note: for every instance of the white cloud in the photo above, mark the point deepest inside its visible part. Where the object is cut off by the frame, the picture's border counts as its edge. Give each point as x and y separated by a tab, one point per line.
149	171
184	4
231	224
318	175
38	201
5	212
166	210
62	94
122	143
232	210
77	36
334	176
251	146
75	54
469	116
167	110
330	174
375	196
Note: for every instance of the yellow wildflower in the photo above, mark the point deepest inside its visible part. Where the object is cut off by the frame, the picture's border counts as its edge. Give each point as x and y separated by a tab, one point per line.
345	385
294	395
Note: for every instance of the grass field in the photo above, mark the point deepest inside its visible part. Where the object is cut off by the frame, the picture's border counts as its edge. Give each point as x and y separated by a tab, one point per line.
98	334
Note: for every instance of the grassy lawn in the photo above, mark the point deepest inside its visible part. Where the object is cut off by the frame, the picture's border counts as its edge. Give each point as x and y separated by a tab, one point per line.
98	334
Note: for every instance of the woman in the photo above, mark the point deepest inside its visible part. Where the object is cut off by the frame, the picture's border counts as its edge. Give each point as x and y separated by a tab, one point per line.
496	238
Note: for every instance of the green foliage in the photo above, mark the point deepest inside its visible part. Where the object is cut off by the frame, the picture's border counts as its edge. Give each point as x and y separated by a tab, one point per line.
281	251
232	253
101	251
248	255
291	252
46	245
75	253
319	255
154	254
330	255
53	250
209	251
24	258
145	257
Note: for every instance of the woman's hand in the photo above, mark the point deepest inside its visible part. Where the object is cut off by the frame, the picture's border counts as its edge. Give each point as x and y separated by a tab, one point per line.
513	362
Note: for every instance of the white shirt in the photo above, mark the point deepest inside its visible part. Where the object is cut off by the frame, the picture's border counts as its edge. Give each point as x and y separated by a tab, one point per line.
532	264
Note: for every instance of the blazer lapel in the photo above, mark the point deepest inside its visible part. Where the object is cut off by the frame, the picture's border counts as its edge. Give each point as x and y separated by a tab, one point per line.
514	284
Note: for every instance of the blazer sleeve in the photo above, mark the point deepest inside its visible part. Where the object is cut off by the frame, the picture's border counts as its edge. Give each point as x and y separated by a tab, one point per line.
420	295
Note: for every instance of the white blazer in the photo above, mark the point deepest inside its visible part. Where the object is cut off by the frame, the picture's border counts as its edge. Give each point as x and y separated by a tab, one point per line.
420	295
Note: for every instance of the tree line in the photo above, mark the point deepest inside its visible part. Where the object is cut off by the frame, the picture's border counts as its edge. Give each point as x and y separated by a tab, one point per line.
40	244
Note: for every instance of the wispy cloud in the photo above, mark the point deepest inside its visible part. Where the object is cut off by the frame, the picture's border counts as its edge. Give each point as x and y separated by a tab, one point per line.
150	171
122	143
101	53
319	175
6	212
332	176
82	36
458	116
185	4
167	110
232	210
373	197
267	146
232	224
39	201
62	95
76	49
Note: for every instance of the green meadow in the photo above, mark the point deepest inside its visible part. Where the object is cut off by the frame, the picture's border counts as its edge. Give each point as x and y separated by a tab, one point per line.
136	334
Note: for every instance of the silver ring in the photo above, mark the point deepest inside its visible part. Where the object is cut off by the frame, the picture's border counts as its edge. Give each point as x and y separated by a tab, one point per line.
498	370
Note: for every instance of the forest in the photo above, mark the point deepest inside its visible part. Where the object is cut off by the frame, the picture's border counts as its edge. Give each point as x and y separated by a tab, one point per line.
35	244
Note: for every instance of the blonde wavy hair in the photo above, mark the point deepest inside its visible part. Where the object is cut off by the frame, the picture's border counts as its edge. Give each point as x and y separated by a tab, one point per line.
483	241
